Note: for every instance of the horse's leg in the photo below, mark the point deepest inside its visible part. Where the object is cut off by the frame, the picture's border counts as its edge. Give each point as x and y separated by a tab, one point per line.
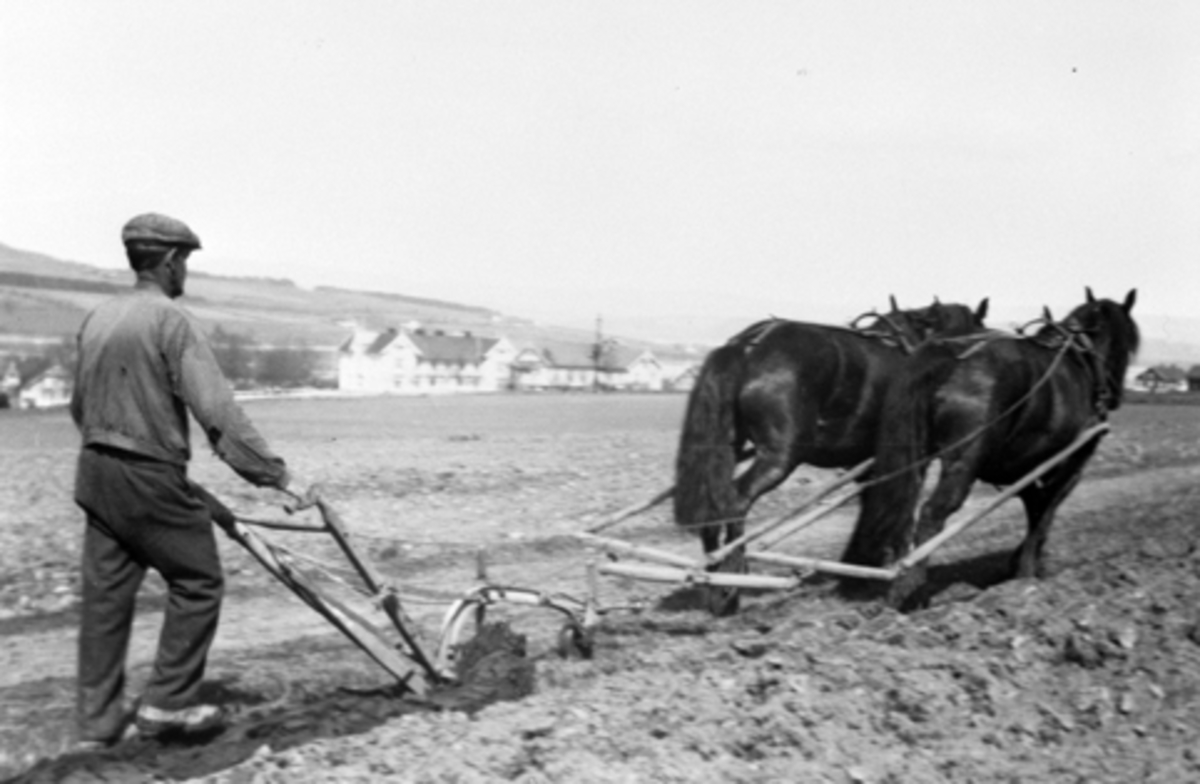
770	467
1041	501
954	483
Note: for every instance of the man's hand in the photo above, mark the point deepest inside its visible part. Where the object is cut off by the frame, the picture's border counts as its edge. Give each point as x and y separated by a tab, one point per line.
305	494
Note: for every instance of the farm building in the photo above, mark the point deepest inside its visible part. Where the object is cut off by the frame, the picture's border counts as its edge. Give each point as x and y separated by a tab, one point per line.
1162	378
684	380
680	367
50	388
417	361
576	366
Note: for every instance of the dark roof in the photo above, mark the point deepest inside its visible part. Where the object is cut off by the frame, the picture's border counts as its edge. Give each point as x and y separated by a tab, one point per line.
624	356
468	349
568	355
580	355
1165	373
381	342
52	372
434	346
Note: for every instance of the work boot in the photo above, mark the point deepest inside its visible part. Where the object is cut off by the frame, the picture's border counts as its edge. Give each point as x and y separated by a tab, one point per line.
155	722
126	731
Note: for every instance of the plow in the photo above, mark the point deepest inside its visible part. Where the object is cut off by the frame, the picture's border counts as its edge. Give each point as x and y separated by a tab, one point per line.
421	665
1044	426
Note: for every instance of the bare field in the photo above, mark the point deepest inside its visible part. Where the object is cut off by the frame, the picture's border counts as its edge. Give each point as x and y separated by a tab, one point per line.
1092	675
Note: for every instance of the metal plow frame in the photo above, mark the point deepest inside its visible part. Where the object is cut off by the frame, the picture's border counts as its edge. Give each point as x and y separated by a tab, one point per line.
407	660
402	661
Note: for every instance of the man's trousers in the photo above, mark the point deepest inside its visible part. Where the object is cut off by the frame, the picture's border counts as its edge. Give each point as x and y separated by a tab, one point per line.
142	513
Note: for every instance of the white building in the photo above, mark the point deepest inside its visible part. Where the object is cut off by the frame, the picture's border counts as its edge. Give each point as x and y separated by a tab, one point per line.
52	387
417	361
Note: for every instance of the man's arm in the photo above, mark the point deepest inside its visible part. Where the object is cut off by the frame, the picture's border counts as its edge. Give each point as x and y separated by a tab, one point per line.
208	396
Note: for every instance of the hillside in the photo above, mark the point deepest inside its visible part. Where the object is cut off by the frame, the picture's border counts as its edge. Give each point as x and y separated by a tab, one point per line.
48	297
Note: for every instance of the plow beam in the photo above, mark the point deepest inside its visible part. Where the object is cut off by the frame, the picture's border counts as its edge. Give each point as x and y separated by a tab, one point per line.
799	524
821	565
345	620
620	547
667	574
630	511
716	556
389	602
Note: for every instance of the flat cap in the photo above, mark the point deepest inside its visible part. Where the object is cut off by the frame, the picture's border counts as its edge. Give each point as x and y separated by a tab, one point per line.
152	227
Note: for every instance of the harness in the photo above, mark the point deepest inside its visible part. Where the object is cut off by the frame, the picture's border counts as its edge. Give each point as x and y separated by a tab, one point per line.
1070	337
894	336
1066	339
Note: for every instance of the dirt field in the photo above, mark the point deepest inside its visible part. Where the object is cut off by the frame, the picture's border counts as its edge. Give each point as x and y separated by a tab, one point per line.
1092	675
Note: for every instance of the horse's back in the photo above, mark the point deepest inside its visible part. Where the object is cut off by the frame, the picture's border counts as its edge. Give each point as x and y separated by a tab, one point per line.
825	385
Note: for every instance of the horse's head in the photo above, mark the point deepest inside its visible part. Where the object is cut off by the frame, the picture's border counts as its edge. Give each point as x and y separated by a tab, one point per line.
1112	335
955	319
939	320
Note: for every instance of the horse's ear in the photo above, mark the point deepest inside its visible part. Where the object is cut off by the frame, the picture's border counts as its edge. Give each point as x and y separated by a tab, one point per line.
1091	298
1046	313
1130	298
981	311
936	301
892	300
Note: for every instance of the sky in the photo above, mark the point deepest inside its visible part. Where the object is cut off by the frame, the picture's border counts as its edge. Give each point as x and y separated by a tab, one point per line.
565	159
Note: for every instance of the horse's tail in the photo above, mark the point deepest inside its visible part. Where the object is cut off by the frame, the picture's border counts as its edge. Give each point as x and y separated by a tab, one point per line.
889	501
704	486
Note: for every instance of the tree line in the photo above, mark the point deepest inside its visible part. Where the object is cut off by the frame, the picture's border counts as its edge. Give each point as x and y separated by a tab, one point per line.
247	365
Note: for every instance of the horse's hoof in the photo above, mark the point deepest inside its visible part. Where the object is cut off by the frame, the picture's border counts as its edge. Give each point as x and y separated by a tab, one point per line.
857	589
723	602
905	591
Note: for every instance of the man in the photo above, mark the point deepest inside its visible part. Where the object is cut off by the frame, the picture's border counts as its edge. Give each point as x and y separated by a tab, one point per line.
144	363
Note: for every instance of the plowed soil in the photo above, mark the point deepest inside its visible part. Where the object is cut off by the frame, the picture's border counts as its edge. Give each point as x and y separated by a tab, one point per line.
1092	674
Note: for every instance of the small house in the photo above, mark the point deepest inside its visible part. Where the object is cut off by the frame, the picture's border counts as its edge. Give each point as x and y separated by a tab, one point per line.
1193	378
586	366
1163	378
52	387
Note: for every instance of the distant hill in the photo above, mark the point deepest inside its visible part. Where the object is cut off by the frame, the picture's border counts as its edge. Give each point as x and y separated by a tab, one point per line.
45	297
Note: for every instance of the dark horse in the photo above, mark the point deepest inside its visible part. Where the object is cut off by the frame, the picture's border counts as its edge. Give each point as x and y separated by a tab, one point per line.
991	408
787	393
